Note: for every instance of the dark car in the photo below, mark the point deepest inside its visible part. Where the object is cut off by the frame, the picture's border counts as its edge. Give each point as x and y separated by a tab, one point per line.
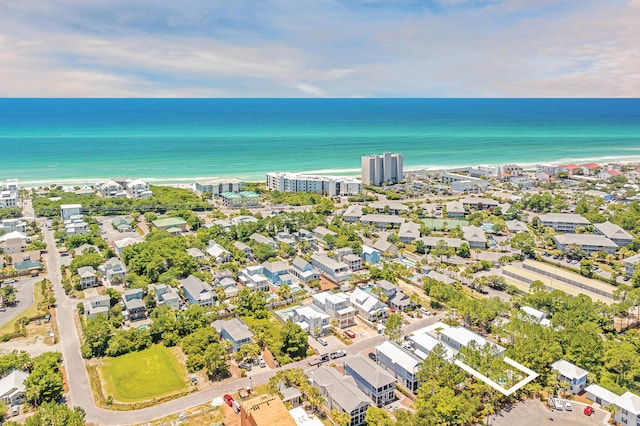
373	356
324	357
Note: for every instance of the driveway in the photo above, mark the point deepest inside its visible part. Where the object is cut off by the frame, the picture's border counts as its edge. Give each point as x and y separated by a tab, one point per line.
24	299
535	413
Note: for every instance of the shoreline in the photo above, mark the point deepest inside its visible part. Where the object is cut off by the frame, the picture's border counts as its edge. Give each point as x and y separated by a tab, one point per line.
187	182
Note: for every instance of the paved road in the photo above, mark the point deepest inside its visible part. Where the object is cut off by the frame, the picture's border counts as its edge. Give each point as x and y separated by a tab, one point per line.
24	299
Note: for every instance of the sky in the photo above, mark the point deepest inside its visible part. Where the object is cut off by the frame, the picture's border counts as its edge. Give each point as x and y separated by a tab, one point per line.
320	48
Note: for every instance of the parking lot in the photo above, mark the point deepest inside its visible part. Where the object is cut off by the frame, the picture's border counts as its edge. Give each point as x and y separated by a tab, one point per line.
535	413
24	299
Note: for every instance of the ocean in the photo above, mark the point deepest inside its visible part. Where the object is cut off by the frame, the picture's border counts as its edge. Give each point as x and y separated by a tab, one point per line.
45	141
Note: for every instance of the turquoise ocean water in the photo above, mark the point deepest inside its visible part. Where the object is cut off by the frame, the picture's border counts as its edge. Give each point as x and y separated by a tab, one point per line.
45	141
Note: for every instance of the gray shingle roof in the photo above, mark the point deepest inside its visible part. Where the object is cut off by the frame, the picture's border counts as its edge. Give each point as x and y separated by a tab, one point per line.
370	371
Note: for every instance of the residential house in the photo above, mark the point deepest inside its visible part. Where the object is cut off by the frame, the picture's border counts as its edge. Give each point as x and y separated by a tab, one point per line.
12	388
110	189
320	233
196	291
367	305
608	174
12	245
535	315
311	319
382	221
423	344
352	214
133	304
172	225
627	405
516	226
122	224
574	376
303	271
229	286
371	379
167	295
87	276
252	277
402	364
114	270
337	306
389	289
341	393
239	245
234	331
138	188
370	255
277	272
88	248
218	253
96	305
455	210
589	243
261	239
196	253
353	261
457	337
474	235
119	245
563	222
591	169
464	183
68	210
337	272
389	207
386	248
76	225
408	232
615	233
11	224
285	238
399	301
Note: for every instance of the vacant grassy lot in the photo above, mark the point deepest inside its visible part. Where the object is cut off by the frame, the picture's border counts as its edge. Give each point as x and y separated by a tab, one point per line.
140	376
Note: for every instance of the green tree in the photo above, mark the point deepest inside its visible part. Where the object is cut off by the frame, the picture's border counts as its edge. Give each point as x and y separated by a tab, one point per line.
523	242
377	417
215	361
340	417
442	249
96	336
393	327
52	414
294	341
44	383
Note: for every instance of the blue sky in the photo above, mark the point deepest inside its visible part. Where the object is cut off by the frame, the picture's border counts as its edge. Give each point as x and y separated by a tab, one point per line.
320	48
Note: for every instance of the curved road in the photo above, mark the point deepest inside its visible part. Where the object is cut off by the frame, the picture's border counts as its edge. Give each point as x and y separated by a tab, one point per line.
80	393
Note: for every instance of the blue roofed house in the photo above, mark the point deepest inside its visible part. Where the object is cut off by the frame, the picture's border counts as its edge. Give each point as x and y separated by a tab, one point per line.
196	291
233	330
371	379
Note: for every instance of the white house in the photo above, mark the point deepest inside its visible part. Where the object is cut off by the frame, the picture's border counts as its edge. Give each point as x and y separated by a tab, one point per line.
12	388
574	376
68	210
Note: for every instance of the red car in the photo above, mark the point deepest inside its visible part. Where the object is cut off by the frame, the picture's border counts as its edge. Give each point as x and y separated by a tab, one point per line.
228	399
588	410
350	333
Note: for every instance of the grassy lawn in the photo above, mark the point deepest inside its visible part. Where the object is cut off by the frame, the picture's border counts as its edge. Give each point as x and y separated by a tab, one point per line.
139	376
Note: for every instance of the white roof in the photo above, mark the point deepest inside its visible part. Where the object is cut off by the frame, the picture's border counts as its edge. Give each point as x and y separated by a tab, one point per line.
464	337
427	342
602	393
568	369
407	360
12	235
630	402
538	315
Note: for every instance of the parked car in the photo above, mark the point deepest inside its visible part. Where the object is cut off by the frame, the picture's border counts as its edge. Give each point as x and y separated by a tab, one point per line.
337	354
324	357
15	410
373	356
261	362
588	410
567	406
556	404
245	365
38	322
10	281
425	311
350	333
322	341
47	318
228	399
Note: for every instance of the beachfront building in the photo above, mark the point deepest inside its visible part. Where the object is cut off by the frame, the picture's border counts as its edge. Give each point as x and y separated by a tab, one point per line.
378	170
589	243
563	222
327	185
137	189
68	210
110	189
9	194
240	199
216	187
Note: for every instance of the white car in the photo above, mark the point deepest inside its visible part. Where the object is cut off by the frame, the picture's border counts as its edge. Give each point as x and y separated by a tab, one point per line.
322	341
556	404
261	362
567	406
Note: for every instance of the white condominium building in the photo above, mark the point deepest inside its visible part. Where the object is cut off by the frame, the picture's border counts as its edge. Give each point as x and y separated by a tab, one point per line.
327	185
381	169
